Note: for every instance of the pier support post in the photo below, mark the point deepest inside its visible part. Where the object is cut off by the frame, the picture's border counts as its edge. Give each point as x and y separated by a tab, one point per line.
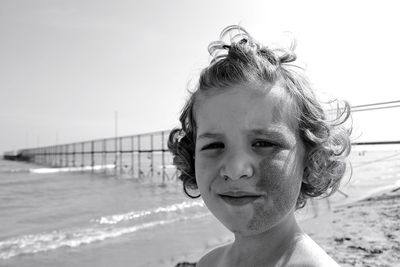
74	155
132	159
103	156
116	154
120	156
61	155
66	155
152	155
83	154
92	155
163	157
139	167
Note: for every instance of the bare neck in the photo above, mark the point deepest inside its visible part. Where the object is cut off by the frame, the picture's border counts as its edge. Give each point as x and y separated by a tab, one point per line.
272	246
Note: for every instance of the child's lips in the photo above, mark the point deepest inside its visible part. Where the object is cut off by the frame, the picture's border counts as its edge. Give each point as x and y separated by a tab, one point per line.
239	198
238	194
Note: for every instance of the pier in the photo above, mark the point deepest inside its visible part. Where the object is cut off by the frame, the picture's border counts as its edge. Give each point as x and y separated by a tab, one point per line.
136	156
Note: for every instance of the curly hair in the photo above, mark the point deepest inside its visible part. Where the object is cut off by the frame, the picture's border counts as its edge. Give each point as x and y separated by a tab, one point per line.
243	60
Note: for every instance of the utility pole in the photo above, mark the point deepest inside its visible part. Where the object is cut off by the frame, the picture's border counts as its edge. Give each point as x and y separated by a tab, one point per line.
116	139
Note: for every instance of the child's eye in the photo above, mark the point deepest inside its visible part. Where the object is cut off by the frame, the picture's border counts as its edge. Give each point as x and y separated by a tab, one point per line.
213	146
263	143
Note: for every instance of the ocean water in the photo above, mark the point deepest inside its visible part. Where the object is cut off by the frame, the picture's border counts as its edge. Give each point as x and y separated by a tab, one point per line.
96	219
77	219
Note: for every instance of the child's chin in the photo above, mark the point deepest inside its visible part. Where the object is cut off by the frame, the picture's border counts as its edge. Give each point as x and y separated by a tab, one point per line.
244	229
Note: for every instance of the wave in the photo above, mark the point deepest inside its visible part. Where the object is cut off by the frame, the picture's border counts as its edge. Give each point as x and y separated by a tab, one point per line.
72	169
114	219
35	170
14	170
30	244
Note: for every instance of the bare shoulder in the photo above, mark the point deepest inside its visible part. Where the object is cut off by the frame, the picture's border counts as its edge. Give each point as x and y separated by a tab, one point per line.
213	257
309	253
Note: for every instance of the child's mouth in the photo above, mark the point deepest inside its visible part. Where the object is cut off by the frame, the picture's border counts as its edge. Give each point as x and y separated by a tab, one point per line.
238	200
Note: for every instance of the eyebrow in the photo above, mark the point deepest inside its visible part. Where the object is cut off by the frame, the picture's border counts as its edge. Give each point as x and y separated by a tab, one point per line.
281	133
277	132
210	135
274	132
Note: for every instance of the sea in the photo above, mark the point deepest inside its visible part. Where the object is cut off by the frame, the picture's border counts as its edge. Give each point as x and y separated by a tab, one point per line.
58	217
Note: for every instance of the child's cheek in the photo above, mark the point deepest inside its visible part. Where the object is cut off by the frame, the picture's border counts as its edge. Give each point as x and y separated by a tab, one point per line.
278	180
205	170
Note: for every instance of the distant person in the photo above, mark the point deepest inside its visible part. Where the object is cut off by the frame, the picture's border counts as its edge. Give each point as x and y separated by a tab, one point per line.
256	143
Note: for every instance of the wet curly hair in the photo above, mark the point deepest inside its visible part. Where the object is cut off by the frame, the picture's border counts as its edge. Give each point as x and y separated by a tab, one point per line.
243	60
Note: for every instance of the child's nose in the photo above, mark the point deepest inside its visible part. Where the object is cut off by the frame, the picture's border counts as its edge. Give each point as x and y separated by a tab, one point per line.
236	167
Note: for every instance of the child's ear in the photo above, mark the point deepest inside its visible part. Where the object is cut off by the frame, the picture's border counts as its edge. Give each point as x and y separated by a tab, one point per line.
305	176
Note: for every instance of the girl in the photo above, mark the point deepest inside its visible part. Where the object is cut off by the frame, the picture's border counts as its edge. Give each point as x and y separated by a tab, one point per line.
257	144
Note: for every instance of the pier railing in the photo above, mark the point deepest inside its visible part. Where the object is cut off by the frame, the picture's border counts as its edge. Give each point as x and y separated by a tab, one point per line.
142	155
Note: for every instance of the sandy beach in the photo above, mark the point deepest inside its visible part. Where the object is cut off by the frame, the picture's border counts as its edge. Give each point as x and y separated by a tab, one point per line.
363	233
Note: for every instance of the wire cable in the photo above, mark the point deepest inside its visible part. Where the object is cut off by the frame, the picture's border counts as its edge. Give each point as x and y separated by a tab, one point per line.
377	160
366	109
376	104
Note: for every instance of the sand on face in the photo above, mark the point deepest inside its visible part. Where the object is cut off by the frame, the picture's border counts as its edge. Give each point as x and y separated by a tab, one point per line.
364	233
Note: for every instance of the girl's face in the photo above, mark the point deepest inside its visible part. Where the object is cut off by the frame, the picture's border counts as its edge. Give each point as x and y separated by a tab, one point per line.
249	158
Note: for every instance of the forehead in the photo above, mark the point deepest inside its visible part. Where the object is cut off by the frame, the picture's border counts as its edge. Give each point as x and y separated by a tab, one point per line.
250	106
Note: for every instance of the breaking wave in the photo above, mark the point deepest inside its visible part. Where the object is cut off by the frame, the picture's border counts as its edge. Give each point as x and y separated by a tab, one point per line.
102	228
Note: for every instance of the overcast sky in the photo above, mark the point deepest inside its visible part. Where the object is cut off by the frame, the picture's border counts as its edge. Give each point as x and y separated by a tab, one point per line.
67	66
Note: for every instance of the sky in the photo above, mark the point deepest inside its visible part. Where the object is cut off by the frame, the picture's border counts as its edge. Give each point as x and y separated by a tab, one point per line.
67	67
